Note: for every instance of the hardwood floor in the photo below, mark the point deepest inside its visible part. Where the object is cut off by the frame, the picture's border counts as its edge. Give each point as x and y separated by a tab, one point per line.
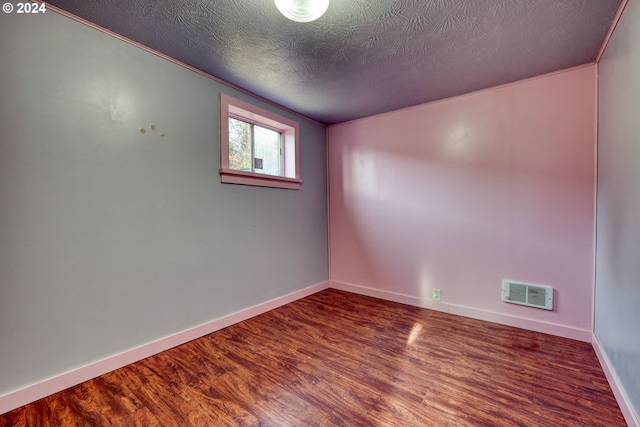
340	359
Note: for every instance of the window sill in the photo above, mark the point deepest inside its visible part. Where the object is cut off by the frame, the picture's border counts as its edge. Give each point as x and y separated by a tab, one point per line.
232	176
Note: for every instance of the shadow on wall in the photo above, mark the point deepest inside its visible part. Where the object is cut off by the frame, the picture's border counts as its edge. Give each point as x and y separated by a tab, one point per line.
463	193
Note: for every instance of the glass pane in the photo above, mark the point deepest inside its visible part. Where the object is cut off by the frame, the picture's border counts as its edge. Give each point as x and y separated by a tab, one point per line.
267	151
239	145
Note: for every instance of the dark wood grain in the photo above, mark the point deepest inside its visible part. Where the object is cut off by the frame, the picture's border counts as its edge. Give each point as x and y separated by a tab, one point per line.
340	359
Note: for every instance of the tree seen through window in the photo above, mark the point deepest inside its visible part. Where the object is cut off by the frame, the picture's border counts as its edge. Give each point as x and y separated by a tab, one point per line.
254	148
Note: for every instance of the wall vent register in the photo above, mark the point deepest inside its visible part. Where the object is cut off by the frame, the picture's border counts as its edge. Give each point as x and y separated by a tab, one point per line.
537	296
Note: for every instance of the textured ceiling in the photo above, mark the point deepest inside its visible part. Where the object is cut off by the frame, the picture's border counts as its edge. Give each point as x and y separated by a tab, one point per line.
362	57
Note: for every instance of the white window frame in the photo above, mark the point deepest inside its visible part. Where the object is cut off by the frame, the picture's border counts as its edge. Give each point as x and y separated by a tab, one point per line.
234	108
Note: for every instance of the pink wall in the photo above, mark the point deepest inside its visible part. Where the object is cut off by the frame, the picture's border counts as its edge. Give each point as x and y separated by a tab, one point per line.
462	193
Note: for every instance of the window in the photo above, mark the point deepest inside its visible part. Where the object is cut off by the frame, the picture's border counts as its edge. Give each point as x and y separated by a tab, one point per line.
257	147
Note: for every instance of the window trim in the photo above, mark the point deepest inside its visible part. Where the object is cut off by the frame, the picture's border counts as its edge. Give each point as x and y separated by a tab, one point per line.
235	108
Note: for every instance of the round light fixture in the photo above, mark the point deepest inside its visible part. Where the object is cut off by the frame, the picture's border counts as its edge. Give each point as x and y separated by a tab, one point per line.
302	10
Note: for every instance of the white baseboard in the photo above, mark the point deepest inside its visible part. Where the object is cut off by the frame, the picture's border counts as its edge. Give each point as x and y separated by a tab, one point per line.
618	391
582	335
33	392
474	313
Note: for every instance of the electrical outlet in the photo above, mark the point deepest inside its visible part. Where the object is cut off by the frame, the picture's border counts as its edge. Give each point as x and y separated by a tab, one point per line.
437	295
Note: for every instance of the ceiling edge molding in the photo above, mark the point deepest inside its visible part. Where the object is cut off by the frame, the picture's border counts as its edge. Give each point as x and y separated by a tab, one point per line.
83	21
614	24
541	76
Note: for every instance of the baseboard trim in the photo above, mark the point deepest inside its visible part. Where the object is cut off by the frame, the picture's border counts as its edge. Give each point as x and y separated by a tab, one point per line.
474	313
618	391
33	392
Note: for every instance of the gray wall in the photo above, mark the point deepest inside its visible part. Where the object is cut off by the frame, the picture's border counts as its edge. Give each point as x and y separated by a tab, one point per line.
617	308
111	238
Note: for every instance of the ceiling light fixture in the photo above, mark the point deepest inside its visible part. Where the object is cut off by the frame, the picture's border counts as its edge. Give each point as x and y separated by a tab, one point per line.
302	10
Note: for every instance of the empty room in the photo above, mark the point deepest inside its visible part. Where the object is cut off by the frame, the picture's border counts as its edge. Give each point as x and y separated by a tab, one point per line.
320	213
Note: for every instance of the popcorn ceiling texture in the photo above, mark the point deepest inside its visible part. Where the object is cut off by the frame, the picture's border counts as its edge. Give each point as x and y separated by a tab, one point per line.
362	57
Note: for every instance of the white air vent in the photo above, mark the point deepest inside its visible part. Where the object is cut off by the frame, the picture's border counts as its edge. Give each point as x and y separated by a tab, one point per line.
527	294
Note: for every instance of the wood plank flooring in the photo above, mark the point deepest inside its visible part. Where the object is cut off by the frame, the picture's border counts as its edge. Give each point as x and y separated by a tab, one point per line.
340	359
